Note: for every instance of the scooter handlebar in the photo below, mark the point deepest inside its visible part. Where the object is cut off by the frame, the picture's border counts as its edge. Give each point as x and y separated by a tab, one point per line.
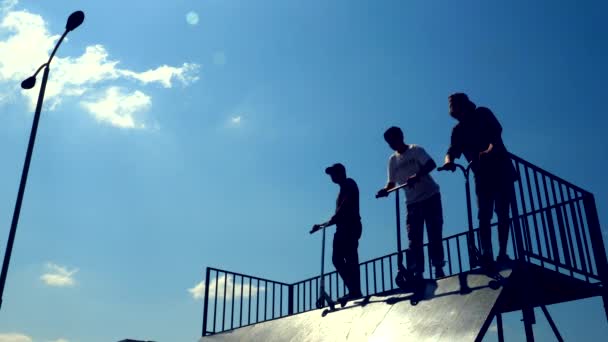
317	227
464	169
389	191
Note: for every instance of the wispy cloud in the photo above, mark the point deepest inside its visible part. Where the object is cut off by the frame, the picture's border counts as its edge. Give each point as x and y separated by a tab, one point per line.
165	75
493	328
58	276
85	78
119	108
192	18
60	340
198	291
14	337
236	120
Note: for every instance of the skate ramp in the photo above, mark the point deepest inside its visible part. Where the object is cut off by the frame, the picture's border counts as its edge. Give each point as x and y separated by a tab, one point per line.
457	308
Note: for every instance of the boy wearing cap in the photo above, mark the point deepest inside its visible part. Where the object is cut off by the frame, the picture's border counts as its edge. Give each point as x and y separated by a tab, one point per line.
348	231
412	165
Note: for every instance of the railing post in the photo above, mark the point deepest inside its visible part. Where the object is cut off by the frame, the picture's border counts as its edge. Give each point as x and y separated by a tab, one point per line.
517	231
597	244
290	300
206	301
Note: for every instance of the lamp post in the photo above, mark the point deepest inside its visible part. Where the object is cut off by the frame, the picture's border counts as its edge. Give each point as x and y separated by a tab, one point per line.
74	20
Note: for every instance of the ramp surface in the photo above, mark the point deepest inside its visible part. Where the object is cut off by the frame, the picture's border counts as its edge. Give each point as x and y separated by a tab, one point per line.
445	314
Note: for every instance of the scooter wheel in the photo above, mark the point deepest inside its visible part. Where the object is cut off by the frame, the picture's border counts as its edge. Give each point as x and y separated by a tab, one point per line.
320	303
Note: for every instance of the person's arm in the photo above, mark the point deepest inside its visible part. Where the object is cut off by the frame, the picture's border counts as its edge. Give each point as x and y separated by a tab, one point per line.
428	165
492	128
424	170
454	151
333	220
338	214
391	180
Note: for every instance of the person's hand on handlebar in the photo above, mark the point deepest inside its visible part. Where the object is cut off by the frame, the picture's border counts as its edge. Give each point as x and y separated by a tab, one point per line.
448	166
413	179
482	154
382	193
317	227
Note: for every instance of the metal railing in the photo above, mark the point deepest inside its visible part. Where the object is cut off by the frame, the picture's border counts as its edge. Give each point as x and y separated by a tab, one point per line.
554	224
559	223
242	300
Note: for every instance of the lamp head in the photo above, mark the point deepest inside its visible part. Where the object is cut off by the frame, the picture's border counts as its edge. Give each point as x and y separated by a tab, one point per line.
74	20
29	83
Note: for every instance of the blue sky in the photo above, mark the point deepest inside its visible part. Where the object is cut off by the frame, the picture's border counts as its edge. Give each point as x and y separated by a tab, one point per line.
183	134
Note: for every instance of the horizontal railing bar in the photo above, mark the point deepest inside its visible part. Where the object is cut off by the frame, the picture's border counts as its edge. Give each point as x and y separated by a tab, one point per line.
548	174
247	276
553	206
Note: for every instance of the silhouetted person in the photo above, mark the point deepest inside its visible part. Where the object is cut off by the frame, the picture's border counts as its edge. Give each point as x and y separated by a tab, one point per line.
412	165
477	135
348	230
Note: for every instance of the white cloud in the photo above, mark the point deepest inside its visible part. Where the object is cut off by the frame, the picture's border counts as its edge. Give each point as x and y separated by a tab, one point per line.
60	340
58	276
198	291
192	18
236	120
118	108
186	74
14	337
219	58
28	43
493	328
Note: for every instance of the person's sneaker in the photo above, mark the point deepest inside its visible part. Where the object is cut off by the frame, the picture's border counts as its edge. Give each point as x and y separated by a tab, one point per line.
351	296
439	272
343	300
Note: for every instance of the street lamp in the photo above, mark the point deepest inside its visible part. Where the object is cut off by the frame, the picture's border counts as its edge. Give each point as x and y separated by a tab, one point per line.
74	20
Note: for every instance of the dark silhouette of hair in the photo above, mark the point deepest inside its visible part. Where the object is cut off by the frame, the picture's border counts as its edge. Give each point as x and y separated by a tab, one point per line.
393	133
462	100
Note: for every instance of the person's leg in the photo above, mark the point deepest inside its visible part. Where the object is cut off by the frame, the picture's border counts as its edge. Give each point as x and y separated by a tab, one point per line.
338	256
434	228
485	206
353	276
415	224
503	204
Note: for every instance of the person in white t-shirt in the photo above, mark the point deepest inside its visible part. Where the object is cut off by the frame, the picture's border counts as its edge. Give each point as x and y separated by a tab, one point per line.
412	165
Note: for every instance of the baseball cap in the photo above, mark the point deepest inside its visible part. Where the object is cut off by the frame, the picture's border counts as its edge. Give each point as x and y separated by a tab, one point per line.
336	168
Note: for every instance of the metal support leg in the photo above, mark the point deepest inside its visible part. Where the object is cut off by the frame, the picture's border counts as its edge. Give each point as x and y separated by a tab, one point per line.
528	314
501	335
500	331
552	324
